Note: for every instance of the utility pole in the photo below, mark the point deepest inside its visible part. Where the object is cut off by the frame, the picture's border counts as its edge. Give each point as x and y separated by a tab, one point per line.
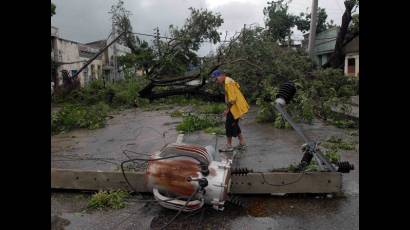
243	32
114	53
313	24
157	41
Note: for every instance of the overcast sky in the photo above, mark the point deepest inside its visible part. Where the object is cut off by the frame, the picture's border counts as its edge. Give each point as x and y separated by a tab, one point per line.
88	20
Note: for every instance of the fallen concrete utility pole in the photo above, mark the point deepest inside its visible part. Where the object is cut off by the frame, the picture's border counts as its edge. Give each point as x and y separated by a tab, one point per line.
251	183
96	56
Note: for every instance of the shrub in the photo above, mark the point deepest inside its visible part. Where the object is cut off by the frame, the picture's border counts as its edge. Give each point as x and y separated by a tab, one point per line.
108	199
281	123
77	116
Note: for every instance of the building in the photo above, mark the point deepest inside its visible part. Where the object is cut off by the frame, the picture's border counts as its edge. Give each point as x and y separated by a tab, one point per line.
71	56
324	45
351	51
108	57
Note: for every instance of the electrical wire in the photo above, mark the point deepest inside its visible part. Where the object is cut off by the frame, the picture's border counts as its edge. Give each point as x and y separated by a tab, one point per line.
181	209
201	218
295	181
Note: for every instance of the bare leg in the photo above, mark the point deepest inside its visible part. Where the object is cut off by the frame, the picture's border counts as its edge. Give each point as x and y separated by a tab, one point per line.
241	139
229	141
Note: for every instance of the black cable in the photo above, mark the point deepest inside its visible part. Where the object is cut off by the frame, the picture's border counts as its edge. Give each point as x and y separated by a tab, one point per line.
201	217
180	210
298	179
193	213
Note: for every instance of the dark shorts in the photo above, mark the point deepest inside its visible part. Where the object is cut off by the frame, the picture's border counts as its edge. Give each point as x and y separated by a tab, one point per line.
232	126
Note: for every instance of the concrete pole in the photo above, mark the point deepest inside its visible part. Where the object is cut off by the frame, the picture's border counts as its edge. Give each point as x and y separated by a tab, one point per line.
157	41
114	53
313	24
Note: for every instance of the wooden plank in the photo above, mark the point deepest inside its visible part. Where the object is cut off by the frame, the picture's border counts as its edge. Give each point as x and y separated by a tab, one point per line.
96	180
253	183
285	182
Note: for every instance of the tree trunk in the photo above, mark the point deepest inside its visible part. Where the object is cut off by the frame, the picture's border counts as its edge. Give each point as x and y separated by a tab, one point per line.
337	58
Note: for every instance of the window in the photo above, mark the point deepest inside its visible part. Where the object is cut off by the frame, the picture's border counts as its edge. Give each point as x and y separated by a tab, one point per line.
92	72
73	72
85	78
99	70
351	64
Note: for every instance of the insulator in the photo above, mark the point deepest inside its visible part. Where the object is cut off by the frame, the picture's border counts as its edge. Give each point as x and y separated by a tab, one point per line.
287	91
344	166
241	171
307	157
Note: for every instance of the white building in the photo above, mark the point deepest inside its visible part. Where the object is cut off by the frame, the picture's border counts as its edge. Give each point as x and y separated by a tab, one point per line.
71	56
108	57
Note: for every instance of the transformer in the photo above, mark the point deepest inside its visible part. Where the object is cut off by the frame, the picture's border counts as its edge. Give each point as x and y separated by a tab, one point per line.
179	171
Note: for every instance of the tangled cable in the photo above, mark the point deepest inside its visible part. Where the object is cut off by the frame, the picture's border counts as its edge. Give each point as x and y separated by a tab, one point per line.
181	209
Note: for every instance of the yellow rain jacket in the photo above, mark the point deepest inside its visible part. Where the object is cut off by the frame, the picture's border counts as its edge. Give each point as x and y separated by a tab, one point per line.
234	96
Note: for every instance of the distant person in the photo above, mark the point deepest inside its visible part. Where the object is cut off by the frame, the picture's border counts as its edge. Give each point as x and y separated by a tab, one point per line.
236	108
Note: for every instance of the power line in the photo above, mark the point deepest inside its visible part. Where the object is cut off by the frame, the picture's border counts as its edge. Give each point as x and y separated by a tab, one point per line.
153	35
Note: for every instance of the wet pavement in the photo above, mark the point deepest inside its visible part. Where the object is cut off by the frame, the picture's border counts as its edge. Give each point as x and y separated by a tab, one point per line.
147	131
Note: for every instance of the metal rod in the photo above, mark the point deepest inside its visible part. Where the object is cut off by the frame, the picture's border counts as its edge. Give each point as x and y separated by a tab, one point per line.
318	156
294	126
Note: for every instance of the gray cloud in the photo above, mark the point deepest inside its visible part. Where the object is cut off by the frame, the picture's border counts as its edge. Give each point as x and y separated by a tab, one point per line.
87	21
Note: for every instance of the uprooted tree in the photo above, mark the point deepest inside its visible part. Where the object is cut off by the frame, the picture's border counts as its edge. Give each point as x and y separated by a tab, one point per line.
345	34
257	57
165	63
165	69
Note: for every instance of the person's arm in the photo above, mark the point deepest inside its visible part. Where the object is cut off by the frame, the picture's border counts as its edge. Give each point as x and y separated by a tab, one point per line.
230	97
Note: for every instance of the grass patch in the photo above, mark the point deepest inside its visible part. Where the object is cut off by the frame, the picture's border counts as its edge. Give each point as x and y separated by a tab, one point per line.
335	143
73	116
332	155
292	168
312	167
344	123
179	100
176	113
213	108
215	130
193	123
108	199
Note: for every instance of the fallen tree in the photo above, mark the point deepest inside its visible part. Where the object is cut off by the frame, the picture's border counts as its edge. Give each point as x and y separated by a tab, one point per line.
253	57
336	60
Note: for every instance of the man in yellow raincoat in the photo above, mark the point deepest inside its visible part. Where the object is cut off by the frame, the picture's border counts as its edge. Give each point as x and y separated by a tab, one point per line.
236	108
